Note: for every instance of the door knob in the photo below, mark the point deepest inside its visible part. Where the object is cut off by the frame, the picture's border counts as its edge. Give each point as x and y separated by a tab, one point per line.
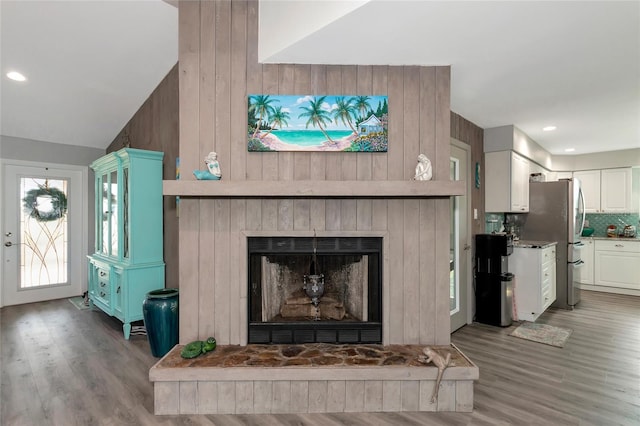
8	244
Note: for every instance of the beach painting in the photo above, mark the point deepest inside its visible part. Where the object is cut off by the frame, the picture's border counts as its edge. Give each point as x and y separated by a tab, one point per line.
342	123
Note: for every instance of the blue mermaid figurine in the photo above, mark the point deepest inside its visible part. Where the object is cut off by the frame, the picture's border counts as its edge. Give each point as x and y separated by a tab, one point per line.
213	168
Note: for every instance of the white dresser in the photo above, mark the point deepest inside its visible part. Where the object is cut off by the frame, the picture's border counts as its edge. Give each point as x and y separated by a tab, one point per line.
535	278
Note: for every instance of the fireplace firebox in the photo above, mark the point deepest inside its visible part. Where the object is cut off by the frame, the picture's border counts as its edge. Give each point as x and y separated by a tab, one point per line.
315	290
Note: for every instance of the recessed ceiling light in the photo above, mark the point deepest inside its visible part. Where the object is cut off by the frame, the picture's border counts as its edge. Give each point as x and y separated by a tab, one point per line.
16	76
548	128
569	150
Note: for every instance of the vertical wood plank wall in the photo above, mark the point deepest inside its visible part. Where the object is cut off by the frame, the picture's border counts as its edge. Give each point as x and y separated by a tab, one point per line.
155	127
218	67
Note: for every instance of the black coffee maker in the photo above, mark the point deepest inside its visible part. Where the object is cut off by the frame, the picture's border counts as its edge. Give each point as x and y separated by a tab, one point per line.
494	284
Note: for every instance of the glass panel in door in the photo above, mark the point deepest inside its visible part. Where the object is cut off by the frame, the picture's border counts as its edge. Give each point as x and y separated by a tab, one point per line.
454	302
44	232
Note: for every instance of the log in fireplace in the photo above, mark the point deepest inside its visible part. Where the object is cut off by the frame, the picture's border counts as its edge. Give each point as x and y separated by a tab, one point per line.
315	289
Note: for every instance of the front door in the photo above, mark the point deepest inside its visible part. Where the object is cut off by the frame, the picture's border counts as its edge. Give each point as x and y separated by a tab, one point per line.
460	253
44	244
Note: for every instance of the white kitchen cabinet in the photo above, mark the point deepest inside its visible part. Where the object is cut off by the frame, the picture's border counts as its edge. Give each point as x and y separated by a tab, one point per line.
607	190
535	280
590	180
506	182
584	273
615	190
616	263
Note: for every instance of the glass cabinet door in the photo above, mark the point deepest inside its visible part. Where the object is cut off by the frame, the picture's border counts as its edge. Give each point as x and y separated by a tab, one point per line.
125	212
113	213
103	233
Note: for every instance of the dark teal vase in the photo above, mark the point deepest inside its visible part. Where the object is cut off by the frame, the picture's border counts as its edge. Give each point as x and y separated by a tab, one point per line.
160	311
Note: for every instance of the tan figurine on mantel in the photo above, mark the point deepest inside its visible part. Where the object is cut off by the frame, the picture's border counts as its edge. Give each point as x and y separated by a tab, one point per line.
423	169
440	362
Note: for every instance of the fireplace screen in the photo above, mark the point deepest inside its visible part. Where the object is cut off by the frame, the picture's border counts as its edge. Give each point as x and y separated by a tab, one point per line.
312	289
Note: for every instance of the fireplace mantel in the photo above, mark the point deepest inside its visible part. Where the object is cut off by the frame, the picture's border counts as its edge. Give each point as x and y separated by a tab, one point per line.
313	188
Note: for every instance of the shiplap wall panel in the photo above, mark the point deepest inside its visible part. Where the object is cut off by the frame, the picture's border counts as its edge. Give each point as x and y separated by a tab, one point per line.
224	317
188	397
244	397
427	113
354	400
221	276
262	394
300	396
207	302
207	397
213	116
336	395
427	274
238	101
254	86
207	80
226	397
238	162
237	274
443	207
189	210
281	402
411	272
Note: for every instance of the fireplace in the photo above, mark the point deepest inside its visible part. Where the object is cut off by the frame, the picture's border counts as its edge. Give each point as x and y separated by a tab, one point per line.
314	290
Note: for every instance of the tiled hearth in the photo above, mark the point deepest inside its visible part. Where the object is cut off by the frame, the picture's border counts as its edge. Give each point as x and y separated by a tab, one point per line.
310	378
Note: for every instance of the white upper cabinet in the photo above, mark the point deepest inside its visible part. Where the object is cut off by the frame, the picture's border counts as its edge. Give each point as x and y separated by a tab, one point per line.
590	180
506	186
615	190
606	191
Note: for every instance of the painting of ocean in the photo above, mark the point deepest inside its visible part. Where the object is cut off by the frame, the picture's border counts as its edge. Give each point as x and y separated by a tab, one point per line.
356	123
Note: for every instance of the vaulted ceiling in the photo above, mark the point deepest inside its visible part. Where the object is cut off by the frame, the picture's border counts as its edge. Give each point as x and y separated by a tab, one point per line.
573	64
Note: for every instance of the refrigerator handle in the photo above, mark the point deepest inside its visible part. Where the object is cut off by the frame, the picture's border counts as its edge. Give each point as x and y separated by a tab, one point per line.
584	213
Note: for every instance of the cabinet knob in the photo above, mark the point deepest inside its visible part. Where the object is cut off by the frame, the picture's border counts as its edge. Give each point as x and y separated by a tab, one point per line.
619	245
103	294
102	273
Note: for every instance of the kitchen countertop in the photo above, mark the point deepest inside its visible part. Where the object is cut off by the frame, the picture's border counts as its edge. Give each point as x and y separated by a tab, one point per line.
611	238
533	244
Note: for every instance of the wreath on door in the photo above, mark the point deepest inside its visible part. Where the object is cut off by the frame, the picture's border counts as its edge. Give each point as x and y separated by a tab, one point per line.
45	204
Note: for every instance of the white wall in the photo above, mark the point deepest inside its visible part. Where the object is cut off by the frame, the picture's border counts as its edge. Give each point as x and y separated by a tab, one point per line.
506	138
598	160
510	138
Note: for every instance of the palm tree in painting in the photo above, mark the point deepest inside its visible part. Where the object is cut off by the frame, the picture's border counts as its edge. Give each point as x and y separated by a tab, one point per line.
261	104
278	118
344	111
317	116
361	103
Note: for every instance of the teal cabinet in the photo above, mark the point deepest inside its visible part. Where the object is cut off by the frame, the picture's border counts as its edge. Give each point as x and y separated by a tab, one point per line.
127	261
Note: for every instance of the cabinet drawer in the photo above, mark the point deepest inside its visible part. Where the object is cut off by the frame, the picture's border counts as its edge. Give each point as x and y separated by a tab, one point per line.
548	255
102	287
618	245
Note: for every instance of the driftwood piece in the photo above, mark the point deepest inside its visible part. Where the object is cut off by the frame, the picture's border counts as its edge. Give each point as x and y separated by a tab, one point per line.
328	309
440	362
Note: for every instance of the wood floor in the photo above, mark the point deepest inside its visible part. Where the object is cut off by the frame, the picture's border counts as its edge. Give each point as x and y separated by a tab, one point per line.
64	366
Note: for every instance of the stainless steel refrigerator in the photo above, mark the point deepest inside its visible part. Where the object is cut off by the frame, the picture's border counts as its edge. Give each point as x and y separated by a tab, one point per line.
556	213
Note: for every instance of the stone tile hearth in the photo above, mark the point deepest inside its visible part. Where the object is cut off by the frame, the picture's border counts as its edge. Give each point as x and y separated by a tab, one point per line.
310	378
309	355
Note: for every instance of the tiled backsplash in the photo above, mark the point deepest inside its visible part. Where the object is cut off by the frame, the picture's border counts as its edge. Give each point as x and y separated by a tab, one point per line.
600	221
